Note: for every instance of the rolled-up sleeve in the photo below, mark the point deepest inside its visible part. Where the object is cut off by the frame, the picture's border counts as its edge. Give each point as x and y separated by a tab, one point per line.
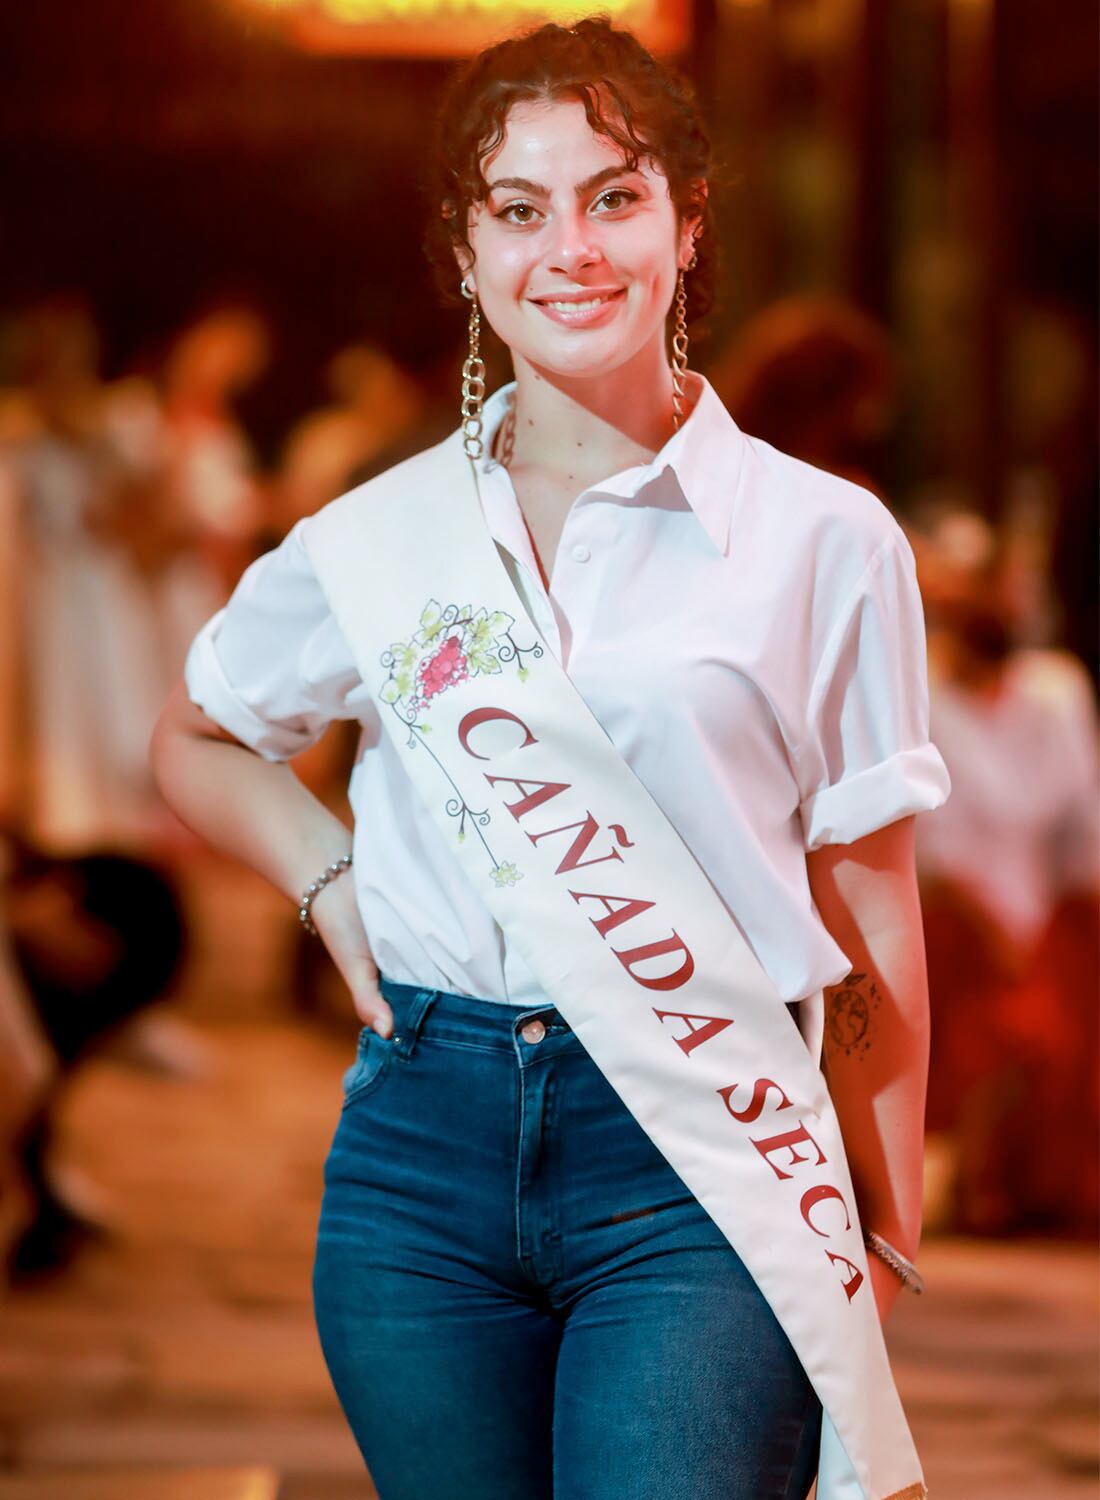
272	667
867	759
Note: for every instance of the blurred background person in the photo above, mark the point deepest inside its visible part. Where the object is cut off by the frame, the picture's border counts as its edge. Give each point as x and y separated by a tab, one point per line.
210	479
87	945
92	931
27	1070
1011	895
375	404
82	680
815	376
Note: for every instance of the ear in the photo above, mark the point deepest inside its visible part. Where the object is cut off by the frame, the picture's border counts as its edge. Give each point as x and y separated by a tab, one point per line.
465	263
692	225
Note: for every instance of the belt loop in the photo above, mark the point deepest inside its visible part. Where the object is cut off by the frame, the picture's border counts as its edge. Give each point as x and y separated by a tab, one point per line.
407	1026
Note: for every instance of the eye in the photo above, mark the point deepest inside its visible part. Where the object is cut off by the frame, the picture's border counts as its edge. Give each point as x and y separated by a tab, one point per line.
524	213
616	198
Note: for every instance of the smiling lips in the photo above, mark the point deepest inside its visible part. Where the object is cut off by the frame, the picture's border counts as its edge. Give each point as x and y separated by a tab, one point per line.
580	309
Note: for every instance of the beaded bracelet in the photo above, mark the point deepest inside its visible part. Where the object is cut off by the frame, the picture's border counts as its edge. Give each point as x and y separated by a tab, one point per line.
911	1278
311	892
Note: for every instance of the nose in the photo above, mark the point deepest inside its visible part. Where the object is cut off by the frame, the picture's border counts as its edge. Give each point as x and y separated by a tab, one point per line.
574	244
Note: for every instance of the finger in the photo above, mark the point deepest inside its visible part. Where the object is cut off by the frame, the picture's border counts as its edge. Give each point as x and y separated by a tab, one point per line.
370	1006
351	953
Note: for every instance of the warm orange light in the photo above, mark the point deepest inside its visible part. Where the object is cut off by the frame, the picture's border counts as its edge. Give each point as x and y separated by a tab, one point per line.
440	28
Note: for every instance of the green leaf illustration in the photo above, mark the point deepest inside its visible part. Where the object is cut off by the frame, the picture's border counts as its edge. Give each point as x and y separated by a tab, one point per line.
482	660
431	618
481	637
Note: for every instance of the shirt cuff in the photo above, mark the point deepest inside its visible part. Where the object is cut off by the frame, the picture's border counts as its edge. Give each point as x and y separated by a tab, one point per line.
911	781
209	689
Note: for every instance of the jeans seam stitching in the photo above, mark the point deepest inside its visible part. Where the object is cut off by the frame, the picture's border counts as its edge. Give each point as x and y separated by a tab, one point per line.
440	1041
369	1084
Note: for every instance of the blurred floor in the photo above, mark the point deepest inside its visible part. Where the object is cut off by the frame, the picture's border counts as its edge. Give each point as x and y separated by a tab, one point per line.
188	1338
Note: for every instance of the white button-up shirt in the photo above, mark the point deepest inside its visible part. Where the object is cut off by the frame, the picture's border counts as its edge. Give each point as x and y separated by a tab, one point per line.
747	629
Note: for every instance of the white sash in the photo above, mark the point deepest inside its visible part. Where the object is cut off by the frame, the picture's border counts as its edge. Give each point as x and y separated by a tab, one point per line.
620	925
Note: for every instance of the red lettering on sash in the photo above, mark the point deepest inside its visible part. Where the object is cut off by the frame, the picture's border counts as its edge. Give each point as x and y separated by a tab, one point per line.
579	846
697	1034
674	944
533	793
530	800
812	1196
755	1106
789	1139
855	1281
479	716
815	1195
619	909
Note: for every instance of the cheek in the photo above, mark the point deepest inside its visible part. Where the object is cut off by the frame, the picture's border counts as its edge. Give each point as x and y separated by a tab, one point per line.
518	263
652	267
654	285
506	266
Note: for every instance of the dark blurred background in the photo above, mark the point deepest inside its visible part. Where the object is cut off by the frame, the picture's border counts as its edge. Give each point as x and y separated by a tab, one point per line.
934	162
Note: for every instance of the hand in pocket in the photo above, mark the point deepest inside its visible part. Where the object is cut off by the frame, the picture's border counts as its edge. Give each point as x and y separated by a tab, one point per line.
336	916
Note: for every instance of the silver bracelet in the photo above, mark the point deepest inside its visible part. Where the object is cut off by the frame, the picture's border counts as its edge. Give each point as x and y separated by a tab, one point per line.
311	892
911	1278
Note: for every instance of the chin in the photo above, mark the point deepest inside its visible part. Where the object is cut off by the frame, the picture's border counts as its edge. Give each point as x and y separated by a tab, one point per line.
581	363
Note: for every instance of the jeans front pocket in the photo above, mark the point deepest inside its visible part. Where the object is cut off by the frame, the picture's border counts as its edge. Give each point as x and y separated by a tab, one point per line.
372	1061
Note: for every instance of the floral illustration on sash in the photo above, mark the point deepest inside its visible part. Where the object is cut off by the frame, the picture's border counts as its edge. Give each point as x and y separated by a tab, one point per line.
454	643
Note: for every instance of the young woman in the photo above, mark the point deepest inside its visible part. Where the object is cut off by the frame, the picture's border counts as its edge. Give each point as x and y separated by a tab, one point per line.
519	1295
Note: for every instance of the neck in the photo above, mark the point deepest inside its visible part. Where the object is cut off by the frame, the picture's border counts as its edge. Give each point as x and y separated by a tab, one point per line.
573	426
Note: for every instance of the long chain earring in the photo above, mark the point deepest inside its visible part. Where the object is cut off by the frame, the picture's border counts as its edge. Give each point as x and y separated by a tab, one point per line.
473	380
680	347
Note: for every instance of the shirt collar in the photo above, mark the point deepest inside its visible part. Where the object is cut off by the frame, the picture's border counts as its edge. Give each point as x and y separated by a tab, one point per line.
705	458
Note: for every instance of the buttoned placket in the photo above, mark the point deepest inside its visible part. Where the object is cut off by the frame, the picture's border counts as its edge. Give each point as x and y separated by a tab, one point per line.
508	528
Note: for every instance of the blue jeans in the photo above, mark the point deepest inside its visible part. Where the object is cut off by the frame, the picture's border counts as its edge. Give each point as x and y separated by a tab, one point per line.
519	1299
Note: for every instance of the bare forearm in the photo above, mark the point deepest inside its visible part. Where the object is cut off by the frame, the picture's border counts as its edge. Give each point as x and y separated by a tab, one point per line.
876	1022
254	810
876	1062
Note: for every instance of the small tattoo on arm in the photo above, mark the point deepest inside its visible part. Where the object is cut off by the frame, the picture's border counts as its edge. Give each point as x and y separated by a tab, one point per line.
849	1013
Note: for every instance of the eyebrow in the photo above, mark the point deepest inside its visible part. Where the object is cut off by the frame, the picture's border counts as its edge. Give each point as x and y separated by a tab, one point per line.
525	185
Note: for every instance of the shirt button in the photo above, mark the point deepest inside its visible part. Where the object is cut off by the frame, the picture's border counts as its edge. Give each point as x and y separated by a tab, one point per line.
580	553
533	1032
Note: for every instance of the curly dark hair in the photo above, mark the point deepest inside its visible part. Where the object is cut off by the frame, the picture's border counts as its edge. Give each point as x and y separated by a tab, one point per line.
647	109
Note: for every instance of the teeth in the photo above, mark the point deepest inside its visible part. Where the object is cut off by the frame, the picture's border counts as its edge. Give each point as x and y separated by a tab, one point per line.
569	307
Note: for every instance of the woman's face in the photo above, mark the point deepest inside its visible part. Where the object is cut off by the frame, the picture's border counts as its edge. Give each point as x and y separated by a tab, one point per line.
575	256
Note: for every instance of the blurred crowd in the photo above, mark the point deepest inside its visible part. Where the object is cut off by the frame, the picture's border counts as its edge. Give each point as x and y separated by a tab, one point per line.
129	508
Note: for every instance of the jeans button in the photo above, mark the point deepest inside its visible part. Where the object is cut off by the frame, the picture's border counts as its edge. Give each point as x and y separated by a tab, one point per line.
534	1031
